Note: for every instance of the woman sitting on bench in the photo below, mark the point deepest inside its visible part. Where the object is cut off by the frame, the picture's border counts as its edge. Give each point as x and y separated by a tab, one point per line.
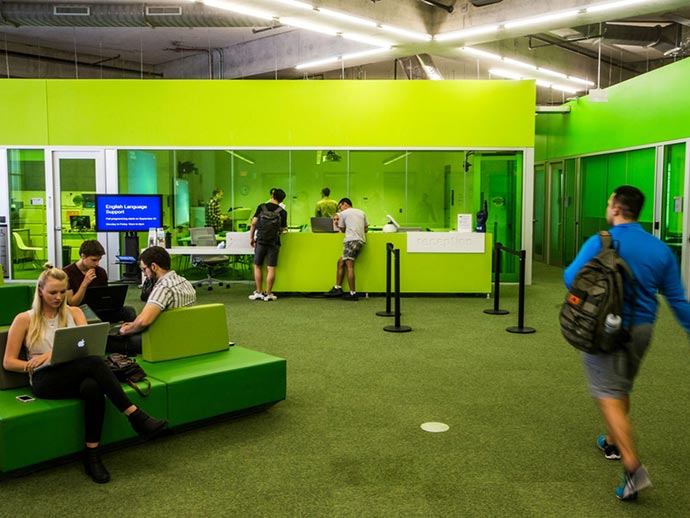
87	378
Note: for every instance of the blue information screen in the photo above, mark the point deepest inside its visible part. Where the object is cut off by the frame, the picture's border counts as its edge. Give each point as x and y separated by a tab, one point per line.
128	212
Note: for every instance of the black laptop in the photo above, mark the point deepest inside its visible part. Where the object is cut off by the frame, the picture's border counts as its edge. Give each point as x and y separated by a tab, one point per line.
322	225
106	298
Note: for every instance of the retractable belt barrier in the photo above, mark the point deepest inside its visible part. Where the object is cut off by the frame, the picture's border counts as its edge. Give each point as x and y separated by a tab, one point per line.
389	254
397	328
520	328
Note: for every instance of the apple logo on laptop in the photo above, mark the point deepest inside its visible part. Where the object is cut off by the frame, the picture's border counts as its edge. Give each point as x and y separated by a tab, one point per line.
81	343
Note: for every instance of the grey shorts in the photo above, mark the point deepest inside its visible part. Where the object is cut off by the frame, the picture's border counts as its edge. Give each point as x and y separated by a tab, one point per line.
351	250
267	252
613	375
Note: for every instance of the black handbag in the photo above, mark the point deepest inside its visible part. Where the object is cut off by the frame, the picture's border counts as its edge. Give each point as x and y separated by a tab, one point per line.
127	370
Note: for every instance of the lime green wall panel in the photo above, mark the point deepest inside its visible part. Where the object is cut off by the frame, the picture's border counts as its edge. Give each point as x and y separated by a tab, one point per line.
650	108
23	112
277	113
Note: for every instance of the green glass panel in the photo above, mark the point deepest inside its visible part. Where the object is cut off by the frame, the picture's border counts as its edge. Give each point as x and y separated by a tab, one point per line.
78	220
556	216
569	248
28	223
672	198
539	212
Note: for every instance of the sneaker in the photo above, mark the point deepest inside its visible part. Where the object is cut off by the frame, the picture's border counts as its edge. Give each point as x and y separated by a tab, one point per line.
334	292
633	483
257	296
351	296
610	450
269	297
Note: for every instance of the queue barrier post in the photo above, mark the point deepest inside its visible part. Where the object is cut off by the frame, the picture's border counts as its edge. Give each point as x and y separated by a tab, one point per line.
520	328
497	283
397	328
389	254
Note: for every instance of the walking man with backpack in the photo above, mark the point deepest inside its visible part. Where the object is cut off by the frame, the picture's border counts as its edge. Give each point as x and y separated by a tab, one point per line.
270	219
611	375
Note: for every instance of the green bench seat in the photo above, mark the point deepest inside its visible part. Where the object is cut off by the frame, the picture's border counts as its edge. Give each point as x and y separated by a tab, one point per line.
42	430
218	383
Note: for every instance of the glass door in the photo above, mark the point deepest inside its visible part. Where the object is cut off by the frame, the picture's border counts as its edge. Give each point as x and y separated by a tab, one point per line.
672	200
539	213
555	219
78	176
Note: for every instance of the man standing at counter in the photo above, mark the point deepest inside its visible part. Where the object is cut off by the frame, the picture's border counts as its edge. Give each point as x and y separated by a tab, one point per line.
326	207
353	222
270	219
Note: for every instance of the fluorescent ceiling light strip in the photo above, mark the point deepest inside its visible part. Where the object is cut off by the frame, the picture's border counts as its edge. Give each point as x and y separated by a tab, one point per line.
347	18
356	20
344	57
408	34
521	64
240	9
396	158
295	3
376	42
237	155
563	15
467	33
296	22
612	5
509	74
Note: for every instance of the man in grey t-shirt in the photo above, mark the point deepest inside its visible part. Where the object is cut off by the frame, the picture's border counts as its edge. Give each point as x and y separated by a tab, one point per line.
353	222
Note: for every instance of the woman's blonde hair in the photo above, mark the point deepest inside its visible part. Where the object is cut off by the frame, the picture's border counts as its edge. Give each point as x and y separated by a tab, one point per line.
35	331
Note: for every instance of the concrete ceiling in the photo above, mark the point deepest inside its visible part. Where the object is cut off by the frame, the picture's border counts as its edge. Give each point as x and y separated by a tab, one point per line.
118	40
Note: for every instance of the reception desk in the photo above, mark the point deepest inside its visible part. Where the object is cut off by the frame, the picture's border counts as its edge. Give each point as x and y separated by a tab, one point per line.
307	263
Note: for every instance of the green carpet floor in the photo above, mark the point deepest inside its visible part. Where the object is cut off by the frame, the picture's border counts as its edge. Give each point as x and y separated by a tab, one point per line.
347	441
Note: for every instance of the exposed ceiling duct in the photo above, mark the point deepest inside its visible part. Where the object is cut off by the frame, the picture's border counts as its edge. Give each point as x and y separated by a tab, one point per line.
119	15
663	38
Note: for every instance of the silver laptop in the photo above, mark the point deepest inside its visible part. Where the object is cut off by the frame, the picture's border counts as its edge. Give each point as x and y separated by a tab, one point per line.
72	343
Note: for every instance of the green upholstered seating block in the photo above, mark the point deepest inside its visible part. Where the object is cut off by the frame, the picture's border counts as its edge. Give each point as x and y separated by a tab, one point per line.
43	429
14	298
218	383
183	332
10	379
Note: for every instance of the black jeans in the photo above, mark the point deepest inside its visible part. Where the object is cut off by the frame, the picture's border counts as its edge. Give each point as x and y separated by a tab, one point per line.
87	378
124	314
123	344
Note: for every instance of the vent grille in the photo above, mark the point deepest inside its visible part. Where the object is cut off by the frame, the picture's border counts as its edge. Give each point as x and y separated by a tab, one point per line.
163	10
71	10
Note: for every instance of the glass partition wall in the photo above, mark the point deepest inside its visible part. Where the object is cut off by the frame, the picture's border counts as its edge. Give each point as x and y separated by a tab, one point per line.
424	189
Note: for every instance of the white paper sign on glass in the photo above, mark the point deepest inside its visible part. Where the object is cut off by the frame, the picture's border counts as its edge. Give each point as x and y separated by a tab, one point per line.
465	223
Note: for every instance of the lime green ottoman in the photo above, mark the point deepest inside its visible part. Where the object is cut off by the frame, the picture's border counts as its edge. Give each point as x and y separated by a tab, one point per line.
43	429
218	383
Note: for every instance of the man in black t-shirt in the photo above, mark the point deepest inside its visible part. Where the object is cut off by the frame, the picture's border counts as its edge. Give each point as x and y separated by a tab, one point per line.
269	220
86	273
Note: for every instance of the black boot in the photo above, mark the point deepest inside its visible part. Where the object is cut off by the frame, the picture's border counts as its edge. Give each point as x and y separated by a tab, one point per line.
94	467
145	425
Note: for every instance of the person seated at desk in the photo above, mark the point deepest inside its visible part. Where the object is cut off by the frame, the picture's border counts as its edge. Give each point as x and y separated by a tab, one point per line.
168	291
326	207
86	273
87	378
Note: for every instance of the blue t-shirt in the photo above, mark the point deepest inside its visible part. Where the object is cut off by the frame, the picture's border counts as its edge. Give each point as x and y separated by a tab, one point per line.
655	269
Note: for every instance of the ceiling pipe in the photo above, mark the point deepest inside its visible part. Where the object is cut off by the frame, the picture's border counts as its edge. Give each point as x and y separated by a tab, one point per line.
448	8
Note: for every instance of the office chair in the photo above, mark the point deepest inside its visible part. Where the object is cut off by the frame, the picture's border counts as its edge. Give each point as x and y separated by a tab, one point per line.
206	236
27	252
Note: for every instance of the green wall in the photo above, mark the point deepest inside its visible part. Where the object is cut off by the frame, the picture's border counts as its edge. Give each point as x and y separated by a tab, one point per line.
651	108
392	114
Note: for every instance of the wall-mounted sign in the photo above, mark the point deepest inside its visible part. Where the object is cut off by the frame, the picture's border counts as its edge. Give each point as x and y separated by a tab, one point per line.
446	242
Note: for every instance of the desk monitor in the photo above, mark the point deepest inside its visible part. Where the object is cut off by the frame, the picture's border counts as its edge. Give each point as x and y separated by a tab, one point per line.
80	222
322	225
